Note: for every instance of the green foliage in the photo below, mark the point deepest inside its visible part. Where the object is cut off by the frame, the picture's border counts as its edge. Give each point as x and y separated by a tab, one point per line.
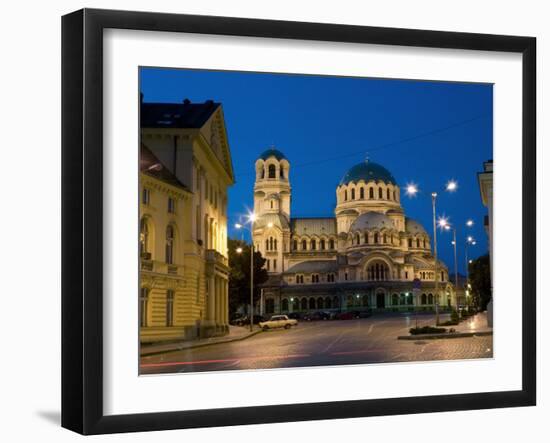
239	274
454	316
427	330
479	272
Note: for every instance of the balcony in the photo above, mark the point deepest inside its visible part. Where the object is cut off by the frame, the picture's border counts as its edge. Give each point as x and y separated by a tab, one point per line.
214	257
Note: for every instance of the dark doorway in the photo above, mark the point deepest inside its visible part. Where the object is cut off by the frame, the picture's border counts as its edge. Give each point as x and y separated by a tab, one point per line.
380	300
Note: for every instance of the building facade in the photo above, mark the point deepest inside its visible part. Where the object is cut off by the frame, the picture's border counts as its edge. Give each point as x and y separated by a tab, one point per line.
369	255
485	180
185	171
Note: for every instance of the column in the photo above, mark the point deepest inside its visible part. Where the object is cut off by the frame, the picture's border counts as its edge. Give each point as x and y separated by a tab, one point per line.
210	300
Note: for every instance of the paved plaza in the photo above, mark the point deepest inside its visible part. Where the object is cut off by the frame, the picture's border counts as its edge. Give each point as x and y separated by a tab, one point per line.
325	343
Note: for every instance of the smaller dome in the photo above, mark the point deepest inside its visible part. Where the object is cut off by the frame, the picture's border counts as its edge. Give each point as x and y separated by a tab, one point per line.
372	220
272	153
367	171
413	227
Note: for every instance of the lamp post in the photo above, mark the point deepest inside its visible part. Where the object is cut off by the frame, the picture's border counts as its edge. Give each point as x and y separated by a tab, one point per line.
434	197
448	227
251	220
469	241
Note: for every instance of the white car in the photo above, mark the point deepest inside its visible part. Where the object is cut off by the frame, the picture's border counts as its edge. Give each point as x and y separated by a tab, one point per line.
278	321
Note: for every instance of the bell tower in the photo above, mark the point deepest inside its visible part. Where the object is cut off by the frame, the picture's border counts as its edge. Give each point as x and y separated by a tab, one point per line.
272	186
271	231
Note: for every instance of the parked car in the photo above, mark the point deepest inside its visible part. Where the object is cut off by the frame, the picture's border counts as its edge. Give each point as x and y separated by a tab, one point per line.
278	321
312	316
349	315
295	315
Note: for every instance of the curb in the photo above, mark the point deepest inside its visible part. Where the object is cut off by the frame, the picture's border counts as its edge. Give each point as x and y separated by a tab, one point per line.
199	345
444	335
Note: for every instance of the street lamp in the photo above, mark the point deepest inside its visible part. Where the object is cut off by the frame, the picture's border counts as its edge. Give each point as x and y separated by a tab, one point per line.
469	241
434	196
251	220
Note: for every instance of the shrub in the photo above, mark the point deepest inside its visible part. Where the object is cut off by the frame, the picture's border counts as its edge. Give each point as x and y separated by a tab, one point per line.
427	330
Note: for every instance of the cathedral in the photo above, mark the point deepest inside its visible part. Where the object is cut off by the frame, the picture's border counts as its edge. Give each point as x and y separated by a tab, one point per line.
370	255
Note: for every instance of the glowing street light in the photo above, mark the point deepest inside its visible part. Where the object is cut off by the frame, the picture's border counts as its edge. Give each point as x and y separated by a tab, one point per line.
469	223
239	250
443	222
238	226
452	186
411	190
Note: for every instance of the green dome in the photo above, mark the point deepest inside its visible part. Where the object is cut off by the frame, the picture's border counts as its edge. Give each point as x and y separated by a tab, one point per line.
272	153
368	171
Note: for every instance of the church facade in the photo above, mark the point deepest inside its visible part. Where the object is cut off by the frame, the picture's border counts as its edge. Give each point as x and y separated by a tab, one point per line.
370	255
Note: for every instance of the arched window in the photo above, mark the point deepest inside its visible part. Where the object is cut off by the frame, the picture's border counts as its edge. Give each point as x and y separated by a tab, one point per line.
170	307
314	278
169	258
322	244
353	194
384	239
295	245
366	238
295	304
376	237
402	299
335	302
320	303
423	299
365	300
304	245
143	237
275	244
281	173
357	239
346	195
362	193
387	194
410	243
263	173
424	243
269	306
394	196
311	303
304	304
430	299
328	303
313	245
394	299
378	271
271	204
284	304
331	243
417	242
371	192
143	306
271	171
267	244
380	193
299	279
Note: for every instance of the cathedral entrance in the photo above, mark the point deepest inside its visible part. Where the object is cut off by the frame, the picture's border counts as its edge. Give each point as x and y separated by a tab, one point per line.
380	300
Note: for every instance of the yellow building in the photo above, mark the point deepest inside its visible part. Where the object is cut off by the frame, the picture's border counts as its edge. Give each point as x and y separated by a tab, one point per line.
185	170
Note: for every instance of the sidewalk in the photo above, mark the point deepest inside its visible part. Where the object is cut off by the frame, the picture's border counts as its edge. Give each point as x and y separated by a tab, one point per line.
476	325
235	333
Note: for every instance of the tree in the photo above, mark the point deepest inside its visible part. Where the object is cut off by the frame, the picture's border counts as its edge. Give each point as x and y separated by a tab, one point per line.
479	273
239	274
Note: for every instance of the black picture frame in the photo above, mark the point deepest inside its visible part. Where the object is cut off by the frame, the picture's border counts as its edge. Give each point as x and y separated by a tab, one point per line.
82	253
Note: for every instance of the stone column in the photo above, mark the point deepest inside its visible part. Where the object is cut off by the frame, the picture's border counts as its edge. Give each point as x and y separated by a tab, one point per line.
210	299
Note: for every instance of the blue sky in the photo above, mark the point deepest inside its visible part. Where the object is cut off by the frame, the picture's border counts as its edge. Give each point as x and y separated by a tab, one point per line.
421	131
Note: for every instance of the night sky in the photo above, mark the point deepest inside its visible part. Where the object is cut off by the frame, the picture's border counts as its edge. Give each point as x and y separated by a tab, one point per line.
421	131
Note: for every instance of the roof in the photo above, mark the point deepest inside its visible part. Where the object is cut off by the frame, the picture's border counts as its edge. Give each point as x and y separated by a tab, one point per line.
414	227
313	226
307	267
367	171
272	153
176	115
150	165
278	220
372	220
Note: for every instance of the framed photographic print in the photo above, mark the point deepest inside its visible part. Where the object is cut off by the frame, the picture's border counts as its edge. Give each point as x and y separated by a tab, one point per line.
269	221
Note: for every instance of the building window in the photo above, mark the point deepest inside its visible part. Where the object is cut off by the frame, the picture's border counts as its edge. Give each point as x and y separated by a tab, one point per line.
313	245
378	271
322	244
380	193
303	304
331	243
388	194
424	243
169	244
394	299
366	238
330	278
299	279
170	307
315	278
345	276
143	306
406	275
284	304
371	192
295	245
274	264
357	239
145	196
353	194
423	299
267	263
271	171
143	237
304	245
418	243
171	205
267	244
362	193
430	299
346	195
442	276
269	306
394	196
376	237
410	243
385	239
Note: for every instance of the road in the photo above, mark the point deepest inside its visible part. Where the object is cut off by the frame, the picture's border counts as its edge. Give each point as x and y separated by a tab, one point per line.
323	343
